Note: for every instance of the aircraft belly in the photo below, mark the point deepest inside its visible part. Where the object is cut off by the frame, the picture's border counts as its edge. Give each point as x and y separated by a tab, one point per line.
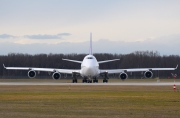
85	72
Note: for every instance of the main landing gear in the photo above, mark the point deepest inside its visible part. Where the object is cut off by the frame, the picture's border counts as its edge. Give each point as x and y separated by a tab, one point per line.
74	81
95	80
74	75
105	80
105	75
86	80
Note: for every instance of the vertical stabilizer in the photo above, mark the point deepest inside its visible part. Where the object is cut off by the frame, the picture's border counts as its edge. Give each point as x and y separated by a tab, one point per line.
90	48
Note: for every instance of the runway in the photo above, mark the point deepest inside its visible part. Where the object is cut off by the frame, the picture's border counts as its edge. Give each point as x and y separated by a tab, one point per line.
93	84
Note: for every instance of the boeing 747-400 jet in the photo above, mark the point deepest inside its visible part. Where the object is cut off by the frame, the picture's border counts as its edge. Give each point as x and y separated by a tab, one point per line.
89	69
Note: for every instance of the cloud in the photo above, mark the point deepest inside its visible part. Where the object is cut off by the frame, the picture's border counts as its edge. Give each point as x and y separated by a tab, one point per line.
5	36
47	36
167	45
64	34
36	36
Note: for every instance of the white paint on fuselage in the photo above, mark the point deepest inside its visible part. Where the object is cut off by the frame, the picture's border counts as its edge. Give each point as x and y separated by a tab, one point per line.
90	67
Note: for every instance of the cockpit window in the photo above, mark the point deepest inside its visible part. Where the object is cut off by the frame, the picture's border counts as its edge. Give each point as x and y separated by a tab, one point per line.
89	57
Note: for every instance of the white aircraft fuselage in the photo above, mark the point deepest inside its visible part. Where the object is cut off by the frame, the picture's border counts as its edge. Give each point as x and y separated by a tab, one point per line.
89	67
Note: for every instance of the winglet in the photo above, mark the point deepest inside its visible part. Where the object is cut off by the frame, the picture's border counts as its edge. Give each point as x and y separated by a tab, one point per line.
4	66
176	67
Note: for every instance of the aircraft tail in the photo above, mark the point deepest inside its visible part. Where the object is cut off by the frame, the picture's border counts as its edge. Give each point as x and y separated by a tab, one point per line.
90	48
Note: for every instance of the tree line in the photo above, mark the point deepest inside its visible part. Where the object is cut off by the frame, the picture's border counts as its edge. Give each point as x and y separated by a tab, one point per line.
138	59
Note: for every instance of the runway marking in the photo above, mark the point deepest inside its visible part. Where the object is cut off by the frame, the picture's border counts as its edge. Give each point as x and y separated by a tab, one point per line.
94	84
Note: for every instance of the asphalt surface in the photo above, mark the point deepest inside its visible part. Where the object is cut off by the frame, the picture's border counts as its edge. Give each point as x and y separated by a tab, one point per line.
96	84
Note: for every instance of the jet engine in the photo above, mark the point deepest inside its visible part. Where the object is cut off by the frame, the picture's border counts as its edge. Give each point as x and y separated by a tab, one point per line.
123	76
148	74
31	74
56	75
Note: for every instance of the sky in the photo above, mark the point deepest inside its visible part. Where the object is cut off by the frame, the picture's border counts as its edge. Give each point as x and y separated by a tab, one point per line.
64	26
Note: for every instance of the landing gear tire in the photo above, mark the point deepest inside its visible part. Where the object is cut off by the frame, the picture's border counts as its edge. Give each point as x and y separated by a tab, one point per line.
84	80
89	81
95	81
105	81
74	80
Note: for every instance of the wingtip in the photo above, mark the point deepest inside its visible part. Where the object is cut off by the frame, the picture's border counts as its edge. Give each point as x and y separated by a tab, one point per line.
4	66
177	66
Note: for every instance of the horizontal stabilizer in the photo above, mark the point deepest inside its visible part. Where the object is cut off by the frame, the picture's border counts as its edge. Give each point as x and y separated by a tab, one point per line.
4	66
107	61
176	66
72	60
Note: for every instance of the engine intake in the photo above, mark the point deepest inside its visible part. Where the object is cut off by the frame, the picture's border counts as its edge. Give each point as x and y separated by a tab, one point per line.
123	76
31	74
148	74
56	75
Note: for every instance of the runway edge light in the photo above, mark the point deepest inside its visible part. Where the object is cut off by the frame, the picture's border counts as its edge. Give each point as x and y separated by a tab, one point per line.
174	87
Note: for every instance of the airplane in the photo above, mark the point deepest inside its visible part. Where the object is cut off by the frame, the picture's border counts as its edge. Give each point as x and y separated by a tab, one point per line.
89	69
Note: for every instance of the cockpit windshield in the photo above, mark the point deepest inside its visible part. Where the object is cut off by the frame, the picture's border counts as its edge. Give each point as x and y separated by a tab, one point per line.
89	57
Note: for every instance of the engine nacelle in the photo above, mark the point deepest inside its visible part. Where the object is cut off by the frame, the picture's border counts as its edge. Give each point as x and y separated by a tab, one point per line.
56	75
123	76
148	74
31	74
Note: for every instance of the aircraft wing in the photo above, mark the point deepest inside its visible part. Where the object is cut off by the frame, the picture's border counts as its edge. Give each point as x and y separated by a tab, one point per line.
111	71
66	71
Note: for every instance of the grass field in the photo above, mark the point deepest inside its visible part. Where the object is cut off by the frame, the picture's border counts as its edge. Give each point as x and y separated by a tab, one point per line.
89	101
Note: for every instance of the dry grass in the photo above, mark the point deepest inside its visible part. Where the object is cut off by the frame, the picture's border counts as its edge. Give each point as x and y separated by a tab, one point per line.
89	101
